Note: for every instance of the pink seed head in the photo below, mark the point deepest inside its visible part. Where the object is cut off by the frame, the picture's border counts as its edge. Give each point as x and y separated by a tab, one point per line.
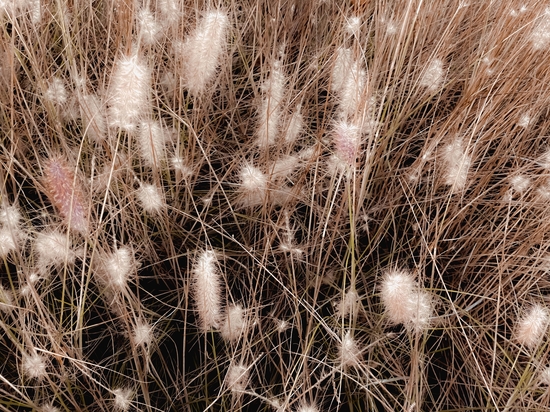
65	195
347	142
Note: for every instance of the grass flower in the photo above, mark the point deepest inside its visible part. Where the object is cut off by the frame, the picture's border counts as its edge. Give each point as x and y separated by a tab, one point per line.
203	50
206	290
64	192
530	329
129	92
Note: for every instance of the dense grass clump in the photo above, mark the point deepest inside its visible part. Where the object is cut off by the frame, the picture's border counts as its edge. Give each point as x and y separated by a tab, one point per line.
274	205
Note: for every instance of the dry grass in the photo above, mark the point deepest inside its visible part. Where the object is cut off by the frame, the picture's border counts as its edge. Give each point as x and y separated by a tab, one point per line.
309	150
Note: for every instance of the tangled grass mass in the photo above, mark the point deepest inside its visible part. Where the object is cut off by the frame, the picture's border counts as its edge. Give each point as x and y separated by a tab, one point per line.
274	205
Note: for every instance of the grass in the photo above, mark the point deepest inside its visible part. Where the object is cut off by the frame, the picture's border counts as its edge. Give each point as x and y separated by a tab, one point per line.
204	205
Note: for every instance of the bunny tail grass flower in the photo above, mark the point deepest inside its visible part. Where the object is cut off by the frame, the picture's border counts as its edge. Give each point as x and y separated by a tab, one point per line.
35	11
7	301
349	351
531	328
203	50
170	11
10	216
433	76
404	302
8	241
234	324
525	120
540	36
143	333
123	399
150	198
53	249
253	186
456	165
353	91
129	91
349	305
544	377
295	126
206	290
151	139
56	92
237	377
346	139
10	232
149	28
117	268
269	112
341	69
307	408
48	407
64	192
34	366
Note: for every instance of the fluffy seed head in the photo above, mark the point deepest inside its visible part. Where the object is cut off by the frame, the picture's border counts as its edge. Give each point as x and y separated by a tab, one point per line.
150	198
143	333
295	126
269	112
391	27
341	69
170	11
234	324
349	351
253	185
123	398
65	193
520	183
118	266
349	304
352	94
10	216
403	301
531	328
48	407
284	166
347	142
35	11
34	366
237	377
433	76
8	241
129	92
56	92
540	36
252	179
353	26
6	299
307	408
206	290
183	170
545	376
525	120
545	161
149	28
456	165
422	310
53	248
543	190
349	80
282	325
203	50
151	140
